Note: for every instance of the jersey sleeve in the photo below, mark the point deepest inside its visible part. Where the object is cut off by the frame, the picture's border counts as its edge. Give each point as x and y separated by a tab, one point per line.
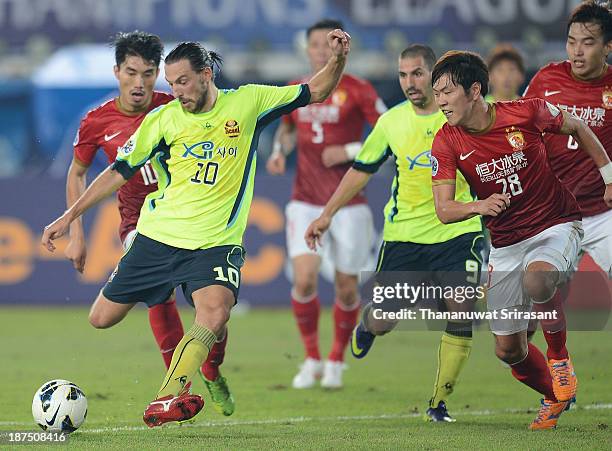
274	101
546	117
85	142
443	162
146	141
370	104
374	152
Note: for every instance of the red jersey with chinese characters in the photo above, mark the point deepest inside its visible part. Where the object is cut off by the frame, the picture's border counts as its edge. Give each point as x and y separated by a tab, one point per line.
591	101
509	157
337	121
107	128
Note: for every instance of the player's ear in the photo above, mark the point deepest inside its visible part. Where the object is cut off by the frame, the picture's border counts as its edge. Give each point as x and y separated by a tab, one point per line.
116	71
475	90
208	73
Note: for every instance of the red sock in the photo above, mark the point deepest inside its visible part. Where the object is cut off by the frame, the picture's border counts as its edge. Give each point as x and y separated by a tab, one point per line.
554	330
307	318
167	328
345	319
210	368
533	372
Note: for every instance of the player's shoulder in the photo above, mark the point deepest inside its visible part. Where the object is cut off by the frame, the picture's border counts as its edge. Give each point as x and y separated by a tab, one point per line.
446	134
98	117
101	110
397	112
517	105
554	69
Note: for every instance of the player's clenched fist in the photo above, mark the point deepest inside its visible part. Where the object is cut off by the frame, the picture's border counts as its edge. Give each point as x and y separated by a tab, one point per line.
314	232
339	41
276	164
493	205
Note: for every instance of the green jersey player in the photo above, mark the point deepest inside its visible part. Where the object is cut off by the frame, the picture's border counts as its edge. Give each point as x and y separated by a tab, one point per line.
203	148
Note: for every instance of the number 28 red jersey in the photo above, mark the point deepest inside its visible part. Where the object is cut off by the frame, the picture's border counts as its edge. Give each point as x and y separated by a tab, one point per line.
107	128
509	157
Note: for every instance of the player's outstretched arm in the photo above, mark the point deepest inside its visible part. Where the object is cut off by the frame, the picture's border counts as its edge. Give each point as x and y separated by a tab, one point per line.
352	182
284	143
76	251
588	142
323	82
106	183
449	210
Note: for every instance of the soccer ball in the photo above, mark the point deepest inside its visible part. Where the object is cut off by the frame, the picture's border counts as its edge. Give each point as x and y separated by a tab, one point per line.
59	406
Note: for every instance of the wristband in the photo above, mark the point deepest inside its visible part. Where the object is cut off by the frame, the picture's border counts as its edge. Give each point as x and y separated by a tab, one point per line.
352	149
606	173
277	148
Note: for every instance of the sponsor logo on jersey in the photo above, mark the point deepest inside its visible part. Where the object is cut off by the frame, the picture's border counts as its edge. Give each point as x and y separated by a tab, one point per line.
434	165
339	97
202	151
515	138
422	160
501	167
107	138
606	97
467	155
232	130
128	147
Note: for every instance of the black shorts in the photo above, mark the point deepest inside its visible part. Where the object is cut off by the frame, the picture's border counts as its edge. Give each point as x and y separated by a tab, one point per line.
150	271
457	261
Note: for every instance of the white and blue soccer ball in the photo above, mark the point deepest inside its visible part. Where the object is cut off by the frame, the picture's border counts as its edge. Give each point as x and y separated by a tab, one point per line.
59	406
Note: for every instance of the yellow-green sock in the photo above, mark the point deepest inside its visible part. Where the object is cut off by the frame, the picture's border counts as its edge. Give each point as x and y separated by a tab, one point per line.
452	355
188	356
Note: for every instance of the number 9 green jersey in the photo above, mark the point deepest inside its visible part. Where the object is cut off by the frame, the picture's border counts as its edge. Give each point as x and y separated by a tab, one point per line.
205	164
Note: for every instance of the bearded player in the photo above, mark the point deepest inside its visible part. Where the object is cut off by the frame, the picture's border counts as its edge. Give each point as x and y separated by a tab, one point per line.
107	127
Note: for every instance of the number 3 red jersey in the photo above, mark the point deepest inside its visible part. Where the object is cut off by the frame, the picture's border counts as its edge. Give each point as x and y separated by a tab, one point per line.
590	101
107	128
509	157
337	121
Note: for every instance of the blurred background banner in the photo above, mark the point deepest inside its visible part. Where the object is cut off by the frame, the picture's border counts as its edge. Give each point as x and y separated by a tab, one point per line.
273	23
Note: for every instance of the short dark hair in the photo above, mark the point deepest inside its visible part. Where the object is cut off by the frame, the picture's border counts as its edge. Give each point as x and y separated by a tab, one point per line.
464	69
506	52
593	12
420	50
198	56
138	43
324	24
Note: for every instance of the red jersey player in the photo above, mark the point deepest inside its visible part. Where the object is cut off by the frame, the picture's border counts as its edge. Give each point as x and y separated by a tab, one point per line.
328	136
107	127
534	221
582	86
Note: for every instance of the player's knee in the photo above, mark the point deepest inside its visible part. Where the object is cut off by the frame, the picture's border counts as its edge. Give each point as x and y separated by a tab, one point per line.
214	317
98	320
347	295
510	353
540	285
305	285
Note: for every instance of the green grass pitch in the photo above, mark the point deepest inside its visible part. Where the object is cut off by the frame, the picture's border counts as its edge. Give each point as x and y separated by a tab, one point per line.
380	407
